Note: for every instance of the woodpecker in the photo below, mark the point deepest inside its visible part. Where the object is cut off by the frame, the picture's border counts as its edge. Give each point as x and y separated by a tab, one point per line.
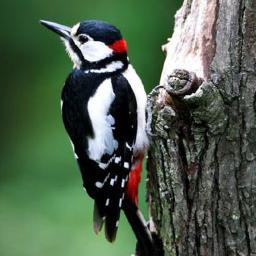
103	106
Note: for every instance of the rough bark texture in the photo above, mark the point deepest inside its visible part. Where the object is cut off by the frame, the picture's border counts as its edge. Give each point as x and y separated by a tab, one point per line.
202	162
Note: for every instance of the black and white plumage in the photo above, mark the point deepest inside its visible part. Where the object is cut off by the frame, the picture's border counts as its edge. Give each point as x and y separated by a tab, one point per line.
103	109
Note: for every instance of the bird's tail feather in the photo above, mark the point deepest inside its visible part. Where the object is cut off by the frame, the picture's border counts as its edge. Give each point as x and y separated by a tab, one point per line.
139	226
108	203
98	219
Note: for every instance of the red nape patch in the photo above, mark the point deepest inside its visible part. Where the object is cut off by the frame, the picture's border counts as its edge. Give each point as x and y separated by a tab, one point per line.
134	180
119	46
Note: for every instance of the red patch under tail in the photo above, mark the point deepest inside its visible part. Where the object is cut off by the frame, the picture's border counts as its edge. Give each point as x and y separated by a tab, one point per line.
134	180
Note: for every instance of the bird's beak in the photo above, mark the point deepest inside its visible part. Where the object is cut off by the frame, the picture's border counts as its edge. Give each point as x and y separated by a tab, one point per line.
61	30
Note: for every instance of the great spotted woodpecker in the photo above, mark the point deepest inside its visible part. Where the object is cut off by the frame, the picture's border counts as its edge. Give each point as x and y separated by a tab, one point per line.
103	108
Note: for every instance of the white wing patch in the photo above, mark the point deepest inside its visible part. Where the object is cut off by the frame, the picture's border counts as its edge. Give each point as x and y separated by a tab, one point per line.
141	98
98	107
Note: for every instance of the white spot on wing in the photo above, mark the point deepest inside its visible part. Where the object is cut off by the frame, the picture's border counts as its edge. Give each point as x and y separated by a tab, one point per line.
107	202
99	184
118	160
123	183
117	223
98	107
126	165
120	202
112	182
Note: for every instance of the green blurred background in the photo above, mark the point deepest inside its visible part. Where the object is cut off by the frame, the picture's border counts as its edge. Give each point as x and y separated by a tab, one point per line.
44	210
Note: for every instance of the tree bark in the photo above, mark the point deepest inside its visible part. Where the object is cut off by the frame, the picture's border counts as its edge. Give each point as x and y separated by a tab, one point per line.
202	159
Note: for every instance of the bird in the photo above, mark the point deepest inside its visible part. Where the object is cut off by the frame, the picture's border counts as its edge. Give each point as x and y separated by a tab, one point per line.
103	105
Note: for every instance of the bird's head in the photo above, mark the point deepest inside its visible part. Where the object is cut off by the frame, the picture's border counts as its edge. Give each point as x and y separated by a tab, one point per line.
91	42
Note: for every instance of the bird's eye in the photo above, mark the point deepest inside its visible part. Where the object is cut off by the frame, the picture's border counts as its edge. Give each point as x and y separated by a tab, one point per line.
83	39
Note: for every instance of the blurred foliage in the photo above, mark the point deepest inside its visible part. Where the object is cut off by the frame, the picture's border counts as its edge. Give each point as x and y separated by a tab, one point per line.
44	210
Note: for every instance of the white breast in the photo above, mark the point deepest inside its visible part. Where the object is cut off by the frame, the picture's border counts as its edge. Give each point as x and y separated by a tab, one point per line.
98	107
130	74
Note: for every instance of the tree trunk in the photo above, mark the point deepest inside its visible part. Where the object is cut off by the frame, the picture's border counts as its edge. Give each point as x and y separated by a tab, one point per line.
202	160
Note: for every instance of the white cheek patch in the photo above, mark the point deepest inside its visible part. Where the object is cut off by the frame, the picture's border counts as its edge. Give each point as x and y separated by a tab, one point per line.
95	51
92	51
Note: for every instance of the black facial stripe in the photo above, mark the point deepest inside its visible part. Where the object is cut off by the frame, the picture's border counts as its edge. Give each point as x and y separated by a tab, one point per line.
77	51
103	63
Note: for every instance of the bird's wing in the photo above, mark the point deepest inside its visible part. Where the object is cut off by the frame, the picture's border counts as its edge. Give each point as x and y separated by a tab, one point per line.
123	110
77	91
